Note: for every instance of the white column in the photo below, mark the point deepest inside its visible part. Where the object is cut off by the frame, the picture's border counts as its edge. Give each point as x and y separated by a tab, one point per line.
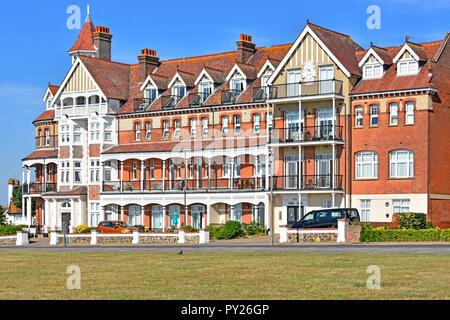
24	205
46	215
334	117
142	215
102	215
142	174
209	174
255	169
28	175
267	168
164	175
122	208
23	175
164	218
44	175
72	216
333	176
231	212
232	173
333	199
121	175
267	211
29	211
54	215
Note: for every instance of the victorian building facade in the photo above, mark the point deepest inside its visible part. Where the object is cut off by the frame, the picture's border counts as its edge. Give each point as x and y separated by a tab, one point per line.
254	134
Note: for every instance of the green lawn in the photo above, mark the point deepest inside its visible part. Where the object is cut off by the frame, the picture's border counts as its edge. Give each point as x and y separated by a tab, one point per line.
42	275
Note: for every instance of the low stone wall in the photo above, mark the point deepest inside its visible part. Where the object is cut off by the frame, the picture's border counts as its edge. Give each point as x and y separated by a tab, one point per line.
8	241
311	236
102	239
352	233
75	240
163	238
191	239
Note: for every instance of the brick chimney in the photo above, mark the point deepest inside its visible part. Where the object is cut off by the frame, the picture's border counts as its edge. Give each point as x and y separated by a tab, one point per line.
102	41
148	61
246	48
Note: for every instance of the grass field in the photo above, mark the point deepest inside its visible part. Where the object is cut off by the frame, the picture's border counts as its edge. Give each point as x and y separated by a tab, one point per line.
42	275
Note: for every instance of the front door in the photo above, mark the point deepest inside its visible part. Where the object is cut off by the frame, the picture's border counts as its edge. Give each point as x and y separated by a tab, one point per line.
65	222
292	215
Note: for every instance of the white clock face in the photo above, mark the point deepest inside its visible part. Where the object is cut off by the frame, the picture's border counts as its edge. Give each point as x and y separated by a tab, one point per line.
309	72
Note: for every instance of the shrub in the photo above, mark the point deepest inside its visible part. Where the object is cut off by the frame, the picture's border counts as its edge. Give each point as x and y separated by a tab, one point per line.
140	228
189	229
9	230
216	231
84	229
254	228
412	220
445	235
233	229
380	235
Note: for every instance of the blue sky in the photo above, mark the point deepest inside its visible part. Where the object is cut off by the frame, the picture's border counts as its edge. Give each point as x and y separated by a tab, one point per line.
35	40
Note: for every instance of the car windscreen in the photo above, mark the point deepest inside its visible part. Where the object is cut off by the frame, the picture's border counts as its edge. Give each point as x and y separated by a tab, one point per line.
309	216
353	214
123	224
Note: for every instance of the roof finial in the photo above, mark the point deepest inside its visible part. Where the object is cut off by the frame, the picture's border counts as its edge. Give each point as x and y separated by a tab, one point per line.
307	21
407	37
88	9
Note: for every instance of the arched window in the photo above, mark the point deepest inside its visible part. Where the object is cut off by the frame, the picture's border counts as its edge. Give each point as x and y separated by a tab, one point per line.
65	205
94	99
80	101
68	102
134	215
366	165
401	164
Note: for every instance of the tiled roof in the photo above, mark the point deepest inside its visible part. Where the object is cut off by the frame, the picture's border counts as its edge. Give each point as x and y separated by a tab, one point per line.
341	45
53	89
42	154
46	115
85	41
391	82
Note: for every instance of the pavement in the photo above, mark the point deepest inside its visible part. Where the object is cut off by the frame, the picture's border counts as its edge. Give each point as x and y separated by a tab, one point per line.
253	244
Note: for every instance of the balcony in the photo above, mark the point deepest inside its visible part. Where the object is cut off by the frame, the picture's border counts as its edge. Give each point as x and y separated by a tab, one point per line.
141	105
47	142
229	96
83	110
306	134
197	99
307	182
305	89
188	185
38	188
169	102
260	94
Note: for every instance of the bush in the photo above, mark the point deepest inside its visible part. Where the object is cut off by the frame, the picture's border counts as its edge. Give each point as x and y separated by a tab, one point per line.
381	235
233	229
140	228
84	229
216	231
254	229
412	220
9	230
189	229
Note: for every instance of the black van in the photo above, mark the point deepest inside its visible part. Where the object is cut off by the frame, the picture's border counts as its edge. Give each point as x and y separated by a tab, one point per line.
326	218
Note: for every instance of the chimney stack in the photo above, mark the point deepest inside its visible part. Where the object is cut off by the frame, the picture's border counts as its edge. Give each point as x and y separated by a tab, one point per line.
246	48
148	61
102	42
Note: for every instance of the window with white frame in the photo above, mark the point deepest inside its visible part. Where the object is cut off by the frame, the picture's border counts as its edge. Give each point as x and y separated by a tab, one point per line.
77	172
366	163
409	118
107	174
94	213
224	125
135	173
193	127
373	71
401	164
176	131
407	67
256	122
237	124
393	115
137	128
148	130
238	85
65	134
226	168
205	90
151	94
191	168
269	121
94	171
76	134
94	131
205	127
326	203
107	131
165	129
152	169
365	210
374	115
400	205
179	92
237	167
65	171
358	116
47	137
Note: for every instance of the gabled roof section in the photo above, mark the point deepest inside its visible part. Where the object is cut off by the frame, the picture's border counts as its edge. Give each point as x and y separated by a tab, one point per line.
214	75
50	92
85	40
156	80
339	47
416	50
246	70
46	116
188	79
380	54
271	64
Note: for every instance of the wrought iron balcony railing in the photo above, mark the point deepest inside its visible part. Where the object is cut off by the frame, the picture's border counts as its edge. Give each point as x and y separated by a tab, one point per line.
303	89
197	99
307	182
229	96
141	105
294	133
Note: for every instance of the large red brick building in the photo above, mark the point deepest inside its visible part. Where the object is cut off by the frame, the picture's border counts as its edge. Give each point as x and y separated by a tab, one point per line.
253	134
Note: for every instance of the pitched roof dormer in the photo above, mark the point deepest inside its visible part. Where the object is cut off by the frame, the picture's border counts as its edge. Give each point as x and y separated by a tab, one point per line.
374	62
156	81
246	71
185	78
85	41
213	75
409	58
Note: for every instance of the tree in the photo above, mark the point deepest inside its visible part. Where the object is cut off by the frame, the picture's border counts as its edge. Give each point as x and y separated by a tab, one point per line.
2	216
17	197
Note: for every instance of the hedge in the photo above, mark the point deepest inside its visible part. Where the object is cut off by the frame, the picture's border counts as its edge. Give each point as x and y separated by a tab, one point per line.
10	230
381	235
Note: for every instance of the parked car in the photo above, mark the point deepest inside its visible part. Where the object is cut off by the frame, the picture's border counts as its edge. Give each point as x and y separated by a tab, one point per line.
326	218
114	227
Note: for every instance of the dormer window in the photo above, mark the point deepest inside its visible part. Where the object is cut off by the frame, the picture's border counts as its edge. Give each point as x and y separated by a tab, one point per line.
178	91
205	90
407	67
373	71
151	94
237	85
